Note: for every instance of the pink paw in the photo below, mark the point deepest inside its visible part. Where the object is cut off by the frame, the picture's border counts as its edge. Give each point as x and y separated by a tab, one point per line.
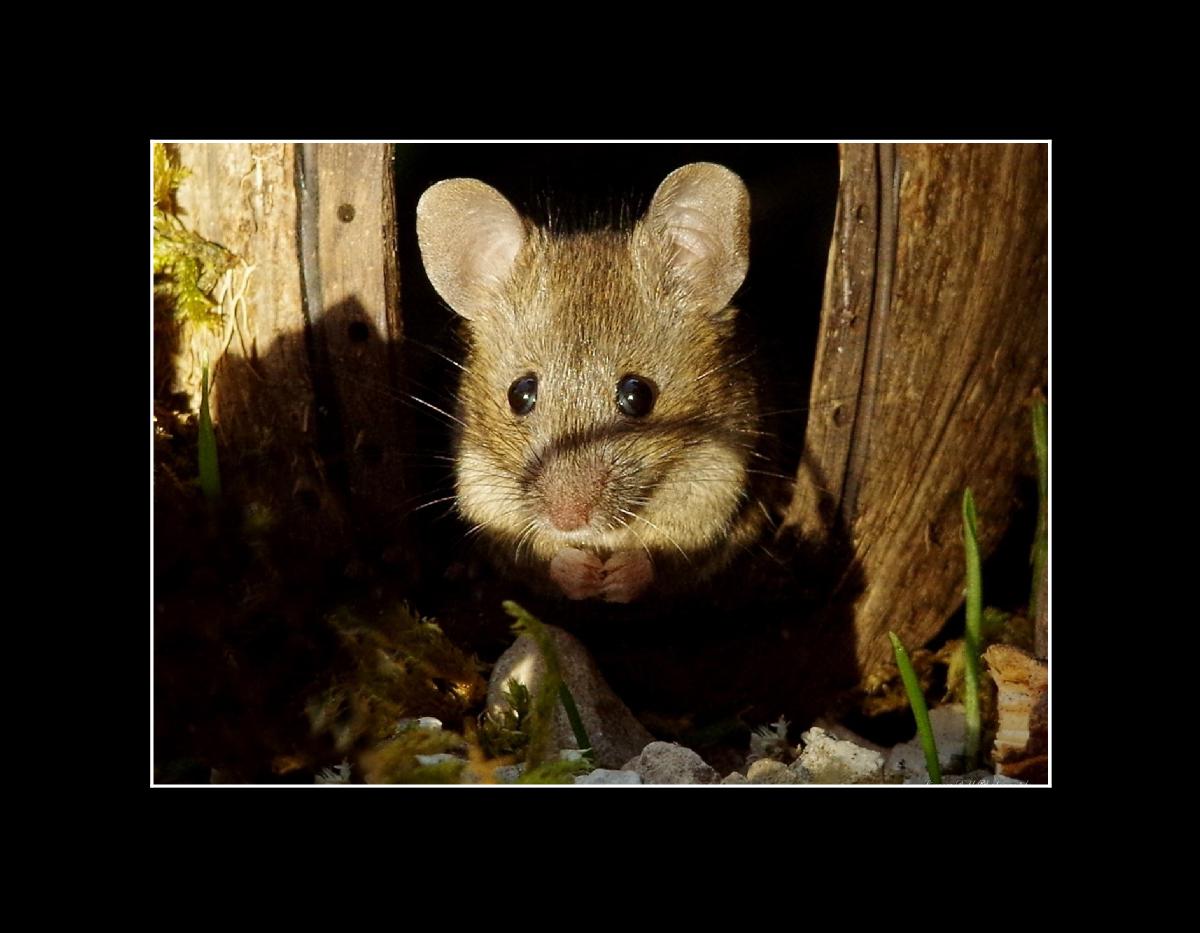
626	576
620	579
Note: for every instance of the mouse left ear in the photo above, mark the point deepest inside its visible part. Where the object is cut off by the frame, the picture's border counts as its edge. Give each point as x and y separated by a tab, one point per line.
700	221
469	236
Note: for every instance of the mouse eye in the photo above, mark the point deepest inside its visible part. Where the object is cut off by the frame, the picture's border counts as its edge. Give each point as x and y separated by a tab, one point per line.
522	395
635	396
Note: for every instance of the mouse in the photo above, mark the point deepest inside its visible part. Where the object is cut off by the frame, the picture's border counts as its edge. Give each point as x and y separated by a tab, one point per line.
607	416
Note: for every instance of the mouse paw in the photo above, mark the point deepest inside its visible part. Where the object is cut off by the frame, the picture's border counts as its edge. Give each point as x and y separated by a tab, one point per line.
627	574
579	574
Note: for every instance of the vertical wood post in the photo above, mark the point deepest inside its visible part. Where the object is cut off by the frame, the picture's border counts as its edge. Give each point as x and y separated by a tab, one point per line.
934	336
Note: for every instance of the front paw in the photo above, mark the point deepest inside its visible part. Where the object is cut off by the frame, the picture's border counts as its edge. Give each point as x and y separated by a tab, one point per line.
620	579
579	574
627	574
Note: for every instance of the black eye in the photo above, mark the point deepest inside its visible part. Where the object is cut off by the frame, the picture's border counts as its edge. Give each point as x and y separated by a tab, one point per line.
635	396
522	395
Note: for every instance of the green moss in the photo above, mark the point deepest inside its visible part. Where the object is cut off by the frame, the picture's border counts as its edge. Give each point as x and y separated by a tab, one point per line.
556	772
505	732
396	761
395	666
187	267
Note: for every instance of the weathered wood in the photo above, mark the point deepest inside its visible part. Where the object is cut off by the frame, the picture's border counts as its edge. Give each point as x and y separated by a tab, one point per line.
1022	712
303	381
841	348
243	196
355	315
934	336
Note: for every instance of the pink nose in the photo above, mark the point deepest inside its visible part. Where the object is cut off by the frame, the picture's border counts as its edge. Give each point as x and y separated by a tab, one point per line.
569	513
572	491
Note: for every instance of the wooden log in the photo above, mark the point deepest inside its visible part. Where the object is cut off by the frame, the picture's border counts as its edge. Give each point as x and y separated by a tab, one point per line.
934	336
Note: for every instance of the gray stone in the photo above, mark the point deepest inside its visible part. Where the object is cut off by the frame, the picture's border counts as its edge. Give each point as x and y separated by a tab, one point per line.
734	777
668	763
609	776
833	761
615	734
770	771
508	774
436	759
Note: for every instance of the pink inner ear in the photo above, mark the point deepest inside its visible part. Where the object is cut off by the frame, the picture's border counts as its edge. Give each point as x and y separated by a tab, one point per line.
690	231
495	243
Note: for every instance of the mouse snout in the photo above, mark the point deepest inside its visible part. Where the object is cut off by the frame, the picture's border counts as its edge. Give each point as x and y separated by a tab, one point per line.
571	491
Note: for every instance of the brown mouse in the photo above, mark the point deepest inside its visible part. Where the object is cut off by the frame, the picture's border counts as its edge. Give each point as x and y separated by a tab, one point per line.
608	415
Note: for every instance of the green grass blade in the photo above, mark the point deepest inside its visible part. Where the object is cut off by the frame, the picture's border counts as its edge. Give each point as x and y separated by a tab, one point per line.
581	736
974	637
210	474
916	699
1041	447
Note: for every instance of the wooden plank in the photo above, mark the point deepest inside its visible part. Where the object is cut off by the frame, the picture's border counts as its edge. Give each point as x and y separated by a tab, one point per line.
841	348
243	196
955	344
354	308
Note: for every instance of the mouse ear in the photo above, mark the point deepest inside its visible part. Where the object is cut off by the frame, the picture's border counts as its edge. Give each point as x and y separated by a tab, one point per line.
469	237
700	217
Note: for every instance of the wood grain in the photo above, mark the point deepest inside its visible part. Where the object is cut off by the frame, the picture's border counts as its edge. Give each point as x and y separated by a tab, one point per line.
935	335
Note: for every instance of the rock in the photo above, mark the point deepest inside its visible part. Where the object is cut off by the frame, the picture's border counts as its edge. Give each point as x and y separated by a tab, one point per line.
770	771
668	763
615	734
609	776
832	761
734	777
906	761
426	761
508	774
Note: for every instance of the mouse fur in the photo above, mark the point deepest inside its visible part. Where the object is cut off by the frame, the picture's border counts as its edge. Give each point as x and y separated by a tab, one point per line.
577	495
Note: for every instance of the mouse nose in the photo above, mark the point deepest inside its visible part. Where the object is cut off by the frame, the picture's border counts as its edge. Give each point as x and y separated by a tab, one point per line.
572	492
569	513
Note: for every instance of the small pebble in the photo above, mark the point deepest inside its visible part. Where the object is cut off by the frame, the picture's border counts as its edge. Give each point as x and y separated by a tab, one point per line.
668	763
832	761
770	771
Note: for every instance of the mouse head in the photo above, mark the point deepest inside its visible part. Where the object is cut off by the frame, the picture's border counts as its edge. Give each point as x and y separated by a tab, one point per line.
603	403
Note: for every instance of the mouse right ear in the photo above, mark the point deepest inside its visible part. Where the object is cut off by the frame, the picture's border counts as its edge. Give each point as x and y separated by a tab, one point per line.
469	237
700	217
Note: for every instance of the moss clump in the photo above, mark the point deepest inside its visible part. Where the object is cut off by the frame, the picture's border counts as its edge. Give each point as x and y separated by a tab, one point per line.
398	761
505	732
187	267
397	665
556	772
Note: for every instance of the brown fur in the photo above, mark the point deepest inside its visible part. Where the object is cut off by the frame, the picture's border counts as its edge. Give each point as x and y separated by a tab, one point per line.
581	311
